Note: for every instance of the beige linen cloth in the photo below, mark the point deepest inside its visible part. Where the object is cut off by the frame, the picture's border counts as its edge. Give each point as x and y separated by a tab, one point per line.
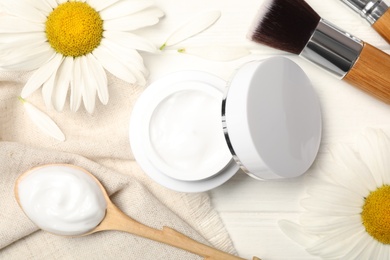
98	143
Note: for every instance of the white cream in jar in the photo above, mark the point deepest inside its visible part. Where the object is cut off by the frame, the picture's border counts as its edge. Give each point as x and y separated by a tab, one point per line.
185	132
62	200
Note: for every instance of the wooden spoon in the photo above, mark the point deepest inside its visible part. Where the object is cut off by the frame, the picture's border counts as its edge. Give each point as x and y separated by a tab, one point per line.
115	219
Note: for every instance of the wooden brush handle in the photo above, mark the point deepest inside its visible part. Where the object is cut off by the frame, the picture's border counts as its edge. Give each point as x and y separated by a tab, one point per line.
382	25
371	73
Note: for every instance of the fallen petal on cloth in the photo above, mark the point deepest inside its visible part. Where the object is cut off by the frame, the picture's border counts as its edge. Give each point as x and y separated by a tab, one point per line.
43	121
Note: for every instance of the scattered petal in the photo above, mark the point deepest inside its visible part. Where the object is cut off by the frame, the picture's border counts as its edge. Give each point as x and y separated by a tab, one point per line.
43	121
216	53
196	25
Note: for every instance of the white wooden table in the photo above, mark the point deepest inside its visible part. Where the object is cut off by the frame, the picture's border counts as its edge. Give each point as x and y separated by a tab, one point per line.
249	208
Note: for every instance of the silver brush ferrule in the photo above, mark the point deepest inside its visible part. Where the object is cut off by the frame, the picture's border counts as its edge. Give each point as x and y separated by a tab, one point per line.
332	49
371	10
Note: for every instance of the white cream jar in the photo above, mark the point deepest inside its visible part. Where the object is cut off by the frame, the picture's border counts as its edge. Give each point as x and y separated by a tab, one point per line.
191	131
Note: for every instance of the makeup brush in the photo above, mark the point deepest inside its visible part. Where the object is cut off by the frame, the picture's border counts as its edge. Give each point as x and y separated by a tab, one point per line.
293	26
376	12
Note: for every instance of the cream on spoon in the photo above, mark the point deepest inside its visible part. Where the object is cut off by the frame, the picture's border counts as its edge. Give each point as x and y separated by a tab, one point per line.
61	200
67	200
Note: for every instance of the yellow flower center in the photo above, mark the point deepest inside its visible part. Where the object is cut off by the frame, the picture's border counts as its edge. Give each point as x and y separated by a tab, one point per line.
376	214
74	29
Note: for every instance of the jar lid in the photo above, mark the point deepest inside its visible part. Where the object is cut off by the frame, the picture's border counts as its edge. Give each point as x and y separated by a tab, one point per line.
272	119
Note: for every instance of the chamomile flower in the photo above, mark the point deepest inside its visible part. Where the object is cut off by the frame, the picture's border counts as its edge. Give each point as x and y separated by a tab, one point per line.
70	44
348	209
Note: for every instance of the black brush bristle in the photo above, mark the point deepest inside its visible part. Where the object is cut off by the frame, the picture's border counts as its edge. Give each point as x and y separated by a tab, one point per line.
285	25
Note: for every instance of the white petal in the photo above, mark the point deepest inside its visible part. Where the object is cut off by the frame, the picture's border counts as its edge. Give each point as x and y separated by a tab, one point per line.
335	194
63	78
322	176
22	38
139	20
336	244
340	174
337	175
371	251
127	54
110	63
359	246
296	233
28	57
9	24
128	57
76	86
124	8
44	122
99	5
383	252
89	90
25	11
61	1
192	27
327	224
374	148
41	75
216	53
47	90
100	78
329	208
357	170
43	6
52	3
130	41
